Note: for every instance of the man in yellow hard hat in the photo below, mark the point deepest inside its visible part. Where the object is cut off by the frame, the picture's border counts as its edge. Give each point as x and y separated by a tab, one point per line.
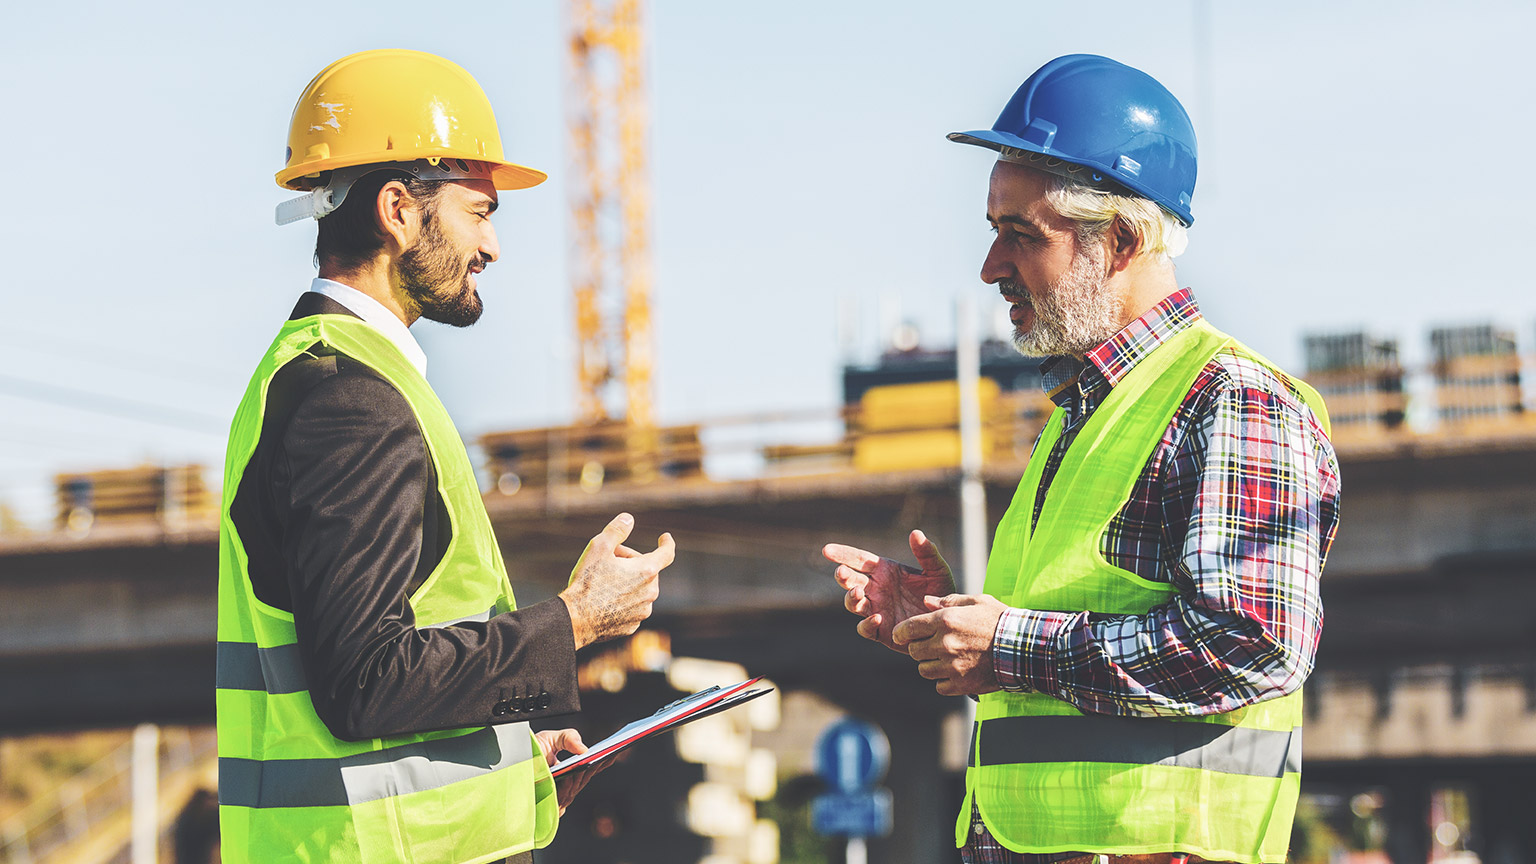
375	676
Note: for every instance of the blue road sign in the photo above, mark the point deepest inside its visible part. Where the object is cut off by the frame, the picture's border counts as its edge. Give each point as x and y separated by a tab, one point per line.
851	755
859	814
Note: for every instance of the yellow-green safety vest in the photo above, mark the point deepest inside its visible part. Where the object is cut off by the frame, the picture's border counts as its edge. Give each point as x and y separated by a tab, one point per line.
1047	777
289	790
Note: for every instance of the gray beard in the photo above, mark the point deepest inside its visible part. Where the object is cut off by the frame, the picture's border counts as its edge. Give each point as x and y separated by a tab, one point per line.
1076	314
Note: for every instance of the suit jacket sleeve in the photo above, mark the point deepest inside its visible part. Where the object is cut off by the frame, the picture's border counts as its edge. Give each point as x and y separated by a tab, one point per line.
354	472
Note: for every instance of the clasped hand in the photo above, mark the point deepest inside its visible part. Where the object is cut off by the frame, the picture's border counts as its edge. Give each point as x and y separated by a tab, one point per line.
917	612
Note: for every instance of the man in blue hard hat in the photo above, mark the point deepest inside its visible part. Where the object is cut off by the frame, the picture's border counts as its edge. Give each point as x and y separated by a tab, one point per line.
1151	600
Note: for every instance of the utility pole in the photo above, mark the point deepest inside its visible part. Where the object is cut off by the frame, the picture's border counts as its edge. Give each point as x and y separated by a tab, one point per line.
973	491
146	794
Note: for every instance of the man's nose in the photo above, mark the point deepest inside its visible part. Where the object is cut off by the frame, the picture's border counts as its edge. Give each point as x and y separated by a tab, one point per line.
995	266
489	248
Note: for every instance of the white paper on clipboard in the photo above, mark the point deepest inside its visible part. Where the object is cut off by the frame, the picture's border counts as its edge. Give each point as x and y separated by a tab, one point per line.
685	710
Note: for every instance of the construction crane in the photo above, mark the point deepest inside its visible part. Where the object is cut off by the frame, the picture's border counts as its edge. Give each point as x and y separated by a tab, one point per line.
610	215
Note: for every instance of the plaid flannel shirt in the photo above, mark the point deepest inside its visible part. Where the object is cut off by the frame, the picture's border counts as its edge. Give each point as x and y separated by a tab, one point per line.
1236	508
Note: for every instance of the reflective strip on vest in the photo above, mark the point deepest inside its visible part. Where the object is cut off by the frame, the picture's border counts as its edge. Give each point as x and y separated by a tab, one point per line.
278	670
244	666
357	779
477	618
290	789
1224	788
1034	739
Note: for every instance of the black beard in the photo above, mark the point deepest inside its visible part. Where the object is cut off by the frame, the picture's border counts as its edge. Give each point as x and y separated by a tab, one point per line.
461	309
427	267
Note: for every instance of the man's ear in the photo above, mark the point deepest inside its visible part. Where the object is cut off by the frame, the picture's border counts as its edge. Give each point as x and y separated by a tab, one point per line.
1124	244
396	213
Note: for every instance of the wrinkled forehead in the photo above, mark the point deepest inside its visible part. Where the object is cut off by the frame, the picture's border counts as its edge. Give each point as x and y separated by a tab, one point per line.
1017	186
1020	194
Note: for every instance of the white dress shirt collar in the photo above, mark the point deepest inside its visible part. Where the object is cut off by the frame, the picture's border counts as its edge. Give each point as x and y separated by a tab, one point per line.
376	316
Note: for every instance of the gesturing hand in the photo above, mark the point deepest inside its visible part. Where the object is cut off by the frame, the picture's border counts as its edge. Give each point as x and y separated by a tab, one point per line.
885	592
612	586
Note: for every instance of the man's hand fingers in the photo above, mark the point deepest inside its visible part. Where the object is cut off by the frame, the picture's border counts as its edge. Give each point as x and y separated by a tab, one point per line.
850	578
552	742
926	552
570	741
869	628
862	605
665	552
849	556
915	628
949	600
614	533
622	551
855	601
935	670
923	548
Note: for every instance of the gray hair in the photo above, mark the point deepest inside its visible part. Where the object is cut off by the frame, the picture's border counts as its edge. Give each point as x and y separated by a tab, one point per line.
1094	207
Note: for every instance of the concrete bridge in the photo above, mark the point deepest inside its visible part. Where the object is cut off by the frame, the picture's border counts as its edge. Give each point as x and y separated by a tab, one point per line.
1426	676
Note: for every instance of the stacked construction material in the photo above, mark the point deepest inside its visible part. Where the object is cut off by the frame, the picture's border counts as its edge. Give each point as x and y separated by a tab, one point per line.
591	456
1477	376
172	496
911	426
1361	381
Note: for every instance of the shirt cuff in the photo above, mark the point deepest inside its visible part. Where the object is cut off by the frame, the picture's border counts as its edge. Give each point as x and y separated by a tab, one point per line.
1022	649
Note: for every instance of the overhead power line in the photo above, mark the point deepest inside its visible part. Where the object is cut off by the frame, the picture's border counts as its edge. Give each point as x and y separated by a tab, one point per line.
114	406
121	357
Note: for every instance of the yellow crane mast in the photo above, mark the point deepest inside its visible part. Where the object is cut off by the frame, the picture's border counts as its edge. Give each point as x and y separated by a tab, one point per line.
610	215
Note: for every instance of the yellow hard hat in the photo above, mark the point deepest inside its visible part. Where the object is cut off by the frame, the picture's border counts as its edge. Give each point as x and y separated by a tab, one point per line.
394	106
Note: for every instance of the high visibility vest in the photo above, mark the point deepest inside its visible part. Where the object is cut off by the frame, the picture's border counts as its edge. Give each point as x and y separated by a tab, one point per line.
1047	777
289	790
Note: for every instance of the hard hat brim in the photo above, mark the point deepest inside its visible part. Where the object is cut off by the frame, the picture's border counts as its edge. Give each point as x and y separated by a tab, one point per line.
992	139
504	175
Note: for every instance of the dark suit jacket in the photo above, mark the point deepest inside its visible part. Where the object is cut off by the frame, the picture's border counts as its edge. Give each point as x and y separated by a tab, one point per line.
341	519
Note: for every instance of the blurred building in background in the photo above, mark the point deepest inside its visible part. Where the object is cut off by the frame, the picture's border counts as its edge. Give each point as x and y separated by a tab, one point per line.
1477	375
1421	732
1361	382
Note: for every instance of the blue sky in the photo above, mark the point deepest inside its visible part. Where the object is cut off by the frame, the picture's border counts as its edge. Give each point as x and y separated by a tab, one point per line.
1362	165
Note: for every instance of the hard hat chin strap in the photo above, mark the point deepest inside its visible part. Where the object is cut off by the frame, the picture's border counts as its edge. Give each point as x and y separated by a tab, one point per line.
323	200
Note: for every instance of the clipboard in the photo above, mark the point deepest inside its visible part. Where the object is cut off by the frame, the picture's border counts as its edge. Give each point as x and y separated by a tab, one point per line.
685	710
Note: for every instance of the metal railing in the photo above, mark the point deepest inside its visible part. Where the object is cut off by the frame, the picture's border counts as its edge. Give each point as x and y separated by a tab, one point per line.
566	461
98	795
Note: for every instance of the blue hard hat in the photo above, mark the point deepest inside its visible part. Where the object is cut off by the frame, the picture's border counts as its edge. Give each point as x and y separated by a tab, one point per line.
1104	116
